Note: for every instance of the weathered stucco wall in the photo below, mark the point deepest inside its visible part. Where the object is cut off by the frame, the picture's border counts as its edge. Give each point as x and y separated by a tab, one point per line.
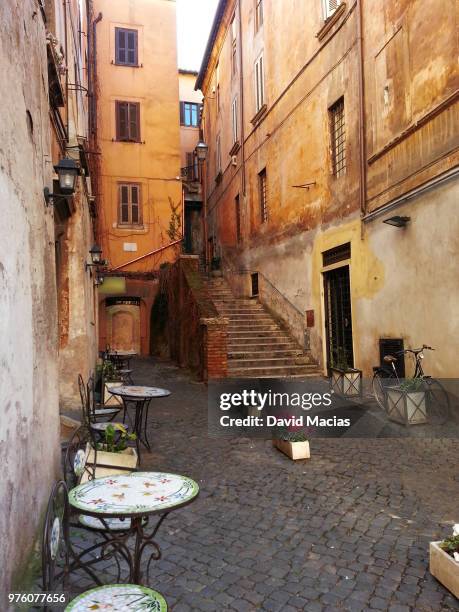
29	413
403	282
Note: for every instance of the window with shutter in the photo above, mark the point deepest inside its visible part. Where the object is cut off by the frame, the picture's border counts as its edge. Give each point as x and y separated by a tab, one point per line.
126	47
234	117
258	14
330	7
129	204
128	121
259	84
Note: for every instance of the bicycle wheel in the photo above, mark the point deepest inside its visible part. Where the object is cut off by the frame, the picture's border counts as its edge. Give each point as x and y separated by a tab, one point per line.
381	378
438	407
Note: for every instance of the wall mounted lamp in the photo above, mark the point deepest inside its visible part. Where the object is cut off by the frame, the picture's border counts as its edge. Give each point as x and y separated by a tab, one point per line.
96	257
67	172
397	221
99	280
201	151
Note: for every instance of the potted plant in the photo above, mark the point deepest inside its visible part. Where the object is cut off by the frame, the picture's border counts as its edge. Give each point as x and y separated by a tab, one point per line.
108	375
292	443
406	402
114	451
215	266
345	380
444	561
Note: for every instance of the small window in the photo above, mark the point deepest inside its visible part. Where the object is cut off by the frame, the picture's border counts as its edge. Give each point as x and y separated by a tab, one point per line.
128	121
258	14
254	279
338	138
234	119
126	47
218	155
237	205
259	84
233	46
262	186
330	7
129	204
189	114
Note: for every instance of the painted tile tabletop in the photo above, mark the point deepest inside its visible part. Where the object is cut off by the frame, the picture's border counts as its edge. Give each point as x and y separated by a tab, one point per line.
134	493
138	391
119	597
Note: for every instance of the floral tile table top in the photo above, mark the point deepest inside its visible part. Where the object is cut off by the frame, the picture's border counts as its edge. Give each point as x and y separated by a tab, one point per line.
117	597
136	493
139	391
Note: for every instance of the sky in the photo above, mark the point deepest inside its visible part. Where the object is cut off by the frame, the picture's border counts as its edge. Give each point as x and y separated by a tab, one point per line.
194	20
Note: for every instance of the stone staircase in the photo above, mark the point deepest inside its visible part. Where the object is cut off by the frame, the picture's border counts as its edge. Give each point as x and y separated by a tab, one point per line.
258	347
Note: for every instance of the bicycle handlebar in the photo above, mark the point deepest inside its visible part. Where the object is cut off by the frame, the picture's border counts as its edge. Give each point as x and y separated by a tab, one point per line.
415	351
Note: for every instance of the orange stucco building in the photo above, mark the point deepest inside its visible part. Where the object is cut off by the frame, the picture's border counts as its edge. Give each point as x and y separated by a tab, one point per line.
140	190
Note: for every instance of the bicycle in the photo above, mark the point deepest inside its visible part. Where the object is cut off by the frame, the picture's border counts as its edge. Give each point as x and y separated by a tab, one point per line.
437	401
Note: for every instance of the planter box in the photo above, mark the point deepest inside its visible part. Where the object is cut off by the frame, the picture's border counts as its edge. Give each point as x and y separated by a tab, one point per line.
113	463
406	407
294	450
109	399
347	383
444	568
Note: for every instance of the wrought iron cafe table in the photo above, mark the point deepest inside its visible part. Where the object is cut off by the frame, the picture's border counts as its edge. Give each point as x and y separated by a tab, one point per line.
140	397
133	498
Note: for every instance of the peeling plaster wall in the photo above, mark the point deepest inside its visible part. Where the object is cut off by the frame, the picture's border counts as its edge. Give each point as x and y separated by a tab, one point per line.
404	283
29	422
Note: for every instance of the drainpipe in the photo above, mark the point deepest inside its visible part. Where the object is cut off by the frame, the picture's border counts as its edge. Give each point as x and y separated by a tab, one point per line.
94	73
362	122
241	94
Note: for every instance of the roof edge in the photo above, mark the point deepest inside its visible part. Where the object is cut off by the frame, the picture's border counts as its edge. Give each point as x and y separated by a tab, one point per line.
210	43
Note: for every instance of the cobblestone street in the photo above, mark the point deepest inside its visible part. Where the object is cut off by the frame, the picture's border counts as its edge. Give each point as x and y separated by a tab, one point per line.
348	529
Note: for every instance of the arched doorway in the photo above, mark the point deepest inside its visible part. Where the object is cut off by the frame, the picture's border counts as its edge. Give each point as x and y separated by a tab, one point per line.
123	323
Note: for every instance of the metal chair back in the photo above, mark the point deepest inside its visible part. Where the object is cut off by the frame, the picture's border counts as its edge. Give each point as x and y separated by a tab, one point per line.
55	539
76	463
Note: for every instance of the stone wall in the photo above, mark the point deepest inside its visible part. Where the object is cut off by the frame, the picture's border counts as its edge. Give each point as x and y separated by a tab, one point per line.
29	422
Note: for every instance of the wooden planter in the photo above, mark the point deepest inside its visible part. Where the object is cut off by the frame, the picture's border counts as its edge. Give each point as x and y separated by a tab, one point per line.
294	450
109	399
110	464
406	407
347	383
444	568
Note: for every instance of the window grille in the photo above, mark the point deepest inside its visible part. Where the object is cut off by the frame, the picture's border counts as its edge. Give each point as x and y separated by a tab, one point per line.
338	138
263	195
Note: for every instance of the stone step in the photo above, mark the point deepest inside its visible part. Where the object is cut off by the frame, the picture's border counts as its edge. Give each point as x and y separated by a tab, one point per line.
260	354
251	316
270	362
254	326
261	345
275	372
257	335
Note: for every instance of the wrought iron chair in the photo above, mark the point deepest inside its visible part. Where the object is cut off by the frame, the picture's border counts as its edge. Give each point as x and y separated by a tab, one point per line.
80	465
92	414
55	539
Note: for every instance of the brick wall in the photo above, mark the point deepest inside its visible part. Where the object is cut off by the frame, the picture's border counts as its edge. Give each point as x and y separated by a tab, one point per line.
197	334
